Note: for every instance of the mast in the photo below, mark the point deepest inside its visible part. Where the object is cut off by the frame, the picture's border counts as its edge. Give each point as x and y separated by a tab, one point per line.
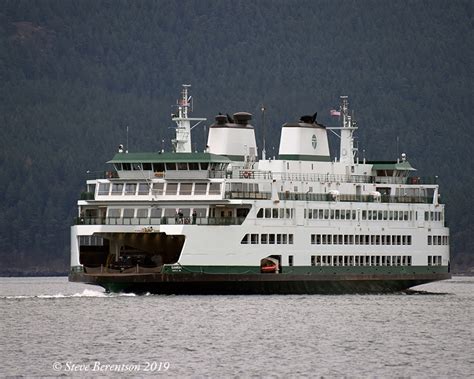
347	150
182	142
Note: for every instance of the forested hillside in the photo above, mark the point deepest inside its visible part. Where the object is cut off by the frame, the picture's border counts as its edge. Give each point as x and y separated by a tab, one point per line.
75	74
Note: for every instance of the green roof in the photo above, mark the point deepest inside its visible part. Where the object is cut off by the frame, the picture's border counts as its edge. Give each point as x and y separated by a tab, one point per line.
392	165
167	158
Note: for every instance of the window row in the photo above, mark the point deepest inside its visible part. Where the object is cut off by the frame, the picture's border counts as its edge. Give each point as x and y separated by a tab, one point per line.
155	212
276	213
434	260
438	240
360	260
330	214
168	189
91	241
360	239
351	214
267	239
434	216
388	215
171	166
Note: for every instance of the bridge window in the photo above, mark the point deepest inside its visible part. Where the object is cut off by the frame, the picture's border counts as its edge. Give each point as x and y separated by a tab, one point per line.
182	166
158	167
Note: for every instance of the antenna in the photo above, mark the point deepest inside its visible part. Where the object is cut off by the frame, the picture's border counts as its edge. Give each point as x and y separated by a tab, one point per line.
398	142
263	132
126	148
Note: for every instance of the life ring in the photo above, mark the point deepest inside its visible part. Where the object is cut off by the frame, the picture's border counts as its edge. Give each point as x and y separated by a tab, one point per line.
246	174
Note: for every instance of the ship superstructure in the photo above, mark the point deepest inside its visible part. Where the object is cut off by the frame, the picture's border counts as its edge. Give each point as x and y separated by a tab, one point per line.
224	221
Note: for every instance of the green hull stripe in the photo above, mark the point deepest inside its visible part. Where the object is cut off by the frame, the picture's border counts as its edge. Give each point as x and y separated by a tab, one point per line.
305	270
298	157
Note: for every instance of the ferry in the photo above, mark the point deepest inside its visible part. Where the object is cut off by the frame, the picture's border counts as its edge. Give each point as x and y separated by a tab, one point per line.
227	220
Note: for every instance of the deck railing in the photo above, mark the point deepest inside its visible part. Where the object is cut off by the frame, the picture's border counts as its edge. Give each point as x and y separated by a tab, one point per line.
248	195
354	198
159	220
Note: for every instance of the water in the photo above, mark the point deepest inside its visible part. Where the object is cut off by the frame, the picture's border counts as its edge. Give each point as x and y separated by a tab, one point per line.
49	327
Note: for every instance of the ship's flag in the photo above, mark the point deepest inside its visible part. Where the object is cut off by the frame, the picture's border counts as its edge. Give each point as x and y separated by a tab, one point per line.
334	112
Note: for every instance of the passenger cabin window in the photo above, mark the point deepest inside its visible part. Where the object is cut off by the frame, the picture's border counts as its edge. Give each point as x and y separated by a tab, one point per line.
214	189
114	212
204	165
117	188
103	189
143	188
200	188
193	166
147	166
158	188
185	188
142	213
128	212
155	212
171	189
130	188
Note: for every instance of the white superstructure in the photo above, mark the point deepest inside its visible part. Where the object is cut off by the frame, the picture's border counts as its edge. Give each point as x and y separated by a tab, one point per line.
225	210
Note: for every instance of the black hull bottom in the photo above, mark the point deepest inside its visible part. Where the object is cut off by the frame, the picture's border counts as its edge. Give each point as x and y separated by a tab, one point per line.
256	284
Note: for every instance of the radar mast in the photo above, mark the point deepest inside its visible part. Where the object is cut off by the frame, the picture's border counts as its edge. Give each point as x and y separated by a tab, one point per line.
182	142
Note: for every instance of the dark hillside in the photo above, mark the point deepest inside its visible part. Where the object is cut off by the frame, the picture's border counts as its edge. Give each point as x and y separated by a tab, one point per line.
75	74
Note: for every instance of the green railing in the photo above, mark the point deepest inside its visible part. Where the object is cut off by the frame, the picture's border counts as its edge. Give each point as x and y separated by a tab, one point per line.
87	196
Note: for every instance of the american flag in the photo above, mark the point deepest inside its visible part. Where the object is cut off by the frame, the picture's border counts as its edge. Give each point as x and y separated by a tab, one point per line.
334	112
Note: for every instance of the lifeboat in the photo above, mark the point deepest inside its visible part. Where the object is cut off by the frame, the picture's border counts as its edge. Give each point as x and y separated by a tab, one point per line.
269	265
